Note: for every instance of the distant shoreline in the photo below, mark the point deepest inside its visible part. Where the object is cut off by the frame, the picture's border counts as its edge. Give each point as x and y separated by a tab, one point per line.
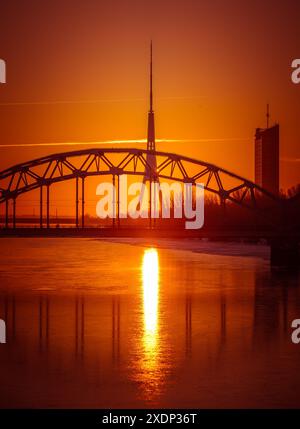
212	243
221	248
251	235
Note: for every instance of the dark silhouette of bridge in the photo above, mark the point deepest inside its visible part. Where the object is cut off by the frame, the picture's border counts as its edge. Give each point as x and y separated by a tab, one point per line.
43	173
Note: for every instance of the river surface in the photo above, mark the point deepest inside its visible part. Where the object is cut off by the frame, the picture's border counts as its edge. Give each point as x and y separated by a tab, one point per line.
108	324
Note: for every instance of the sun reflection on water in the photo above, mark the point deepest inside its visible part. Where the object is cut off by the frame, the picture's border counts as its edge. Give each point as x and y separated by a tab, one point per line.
150	365
150	300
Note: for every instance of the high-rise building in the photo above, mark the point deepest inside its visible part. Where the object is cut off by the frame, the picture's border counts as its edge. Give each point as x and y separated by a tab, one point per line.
267	158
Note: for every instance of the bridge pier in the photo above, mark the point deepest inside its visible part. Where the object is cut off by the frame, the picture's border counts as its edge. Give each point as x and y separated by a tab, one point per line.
150	203
48	206
14	213
118	201
77	203
82	202
6	213
285	252
41	206
114	200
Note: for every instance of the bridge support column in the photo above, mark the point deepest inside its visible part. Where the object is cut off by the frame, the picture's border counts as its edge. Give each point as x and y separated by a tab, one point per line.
7	213
118	201
150	203
48	206
82	202
114	201
77	202
41	206
154	204
14	213
285	252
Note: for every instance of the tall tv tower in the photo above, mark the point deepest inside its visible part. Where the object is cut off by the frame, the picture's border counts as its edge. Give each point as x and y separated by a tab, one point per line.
151	159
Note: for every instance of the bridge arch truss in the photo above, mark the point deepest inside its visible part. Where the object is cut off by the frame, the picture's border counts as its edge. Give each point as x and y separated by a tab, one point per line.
78	165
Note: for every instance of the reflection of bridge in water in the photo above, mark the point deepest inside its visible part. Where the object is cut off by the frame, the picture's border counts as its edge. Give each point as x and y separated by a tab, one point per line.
267	321
99	344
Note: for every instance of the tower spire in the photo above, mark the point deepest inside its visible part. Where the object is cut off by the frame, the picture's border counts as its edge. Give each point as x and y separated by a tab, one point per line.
151	159
151	80
151	127
151	165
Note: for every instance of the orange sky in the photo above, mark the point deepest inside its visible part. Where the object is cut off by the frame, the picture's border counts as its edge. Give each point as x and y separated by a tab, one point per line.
78	71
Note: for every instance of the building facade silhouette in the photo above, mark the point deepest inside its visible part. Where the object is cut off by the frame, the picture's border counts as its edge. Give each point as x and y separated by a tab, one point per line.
267	158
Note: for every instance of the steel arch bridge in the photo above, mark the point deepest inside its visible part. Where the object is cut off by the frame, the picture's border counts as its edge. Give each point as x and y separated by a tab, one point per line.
43	172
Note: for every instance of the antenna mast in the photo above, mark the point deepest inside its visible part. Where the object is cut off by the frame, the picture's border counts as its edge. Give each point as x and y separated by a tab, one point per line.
151	128
151	78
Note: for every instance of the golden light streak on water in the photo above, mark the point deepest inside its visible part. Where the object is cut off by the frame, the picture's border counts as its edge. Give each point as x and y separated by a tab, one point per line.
150	270
150	289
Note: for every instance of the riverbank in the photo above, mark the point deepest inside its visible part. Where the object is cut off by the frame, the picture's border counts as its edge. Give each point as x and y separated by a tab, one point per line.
214	242
201	246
